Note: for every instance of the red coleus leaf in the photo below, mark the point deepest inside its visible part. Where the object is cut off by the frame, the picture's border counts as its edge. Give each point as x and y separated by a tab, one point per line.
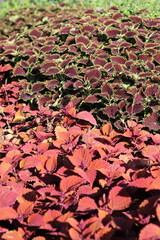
35	219
105	233
99	62
25	207
86	204
43	135
74	234
39	238
13	234
141	182
8	213
70	183
51	163
107	129
81	158
89	175
119	199
28	147
150	232
32	161
5	68
9	109
13	155
156	138
7	197
158	211
51	215
20	116
154	185
150	151
86	116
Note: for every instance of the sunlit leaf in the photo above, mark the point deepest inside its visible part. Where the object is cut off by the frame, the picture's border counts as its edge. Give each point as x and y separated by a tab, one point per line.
150	231
35	219
86	204
8	213
13	234
84	115
119	199
70	183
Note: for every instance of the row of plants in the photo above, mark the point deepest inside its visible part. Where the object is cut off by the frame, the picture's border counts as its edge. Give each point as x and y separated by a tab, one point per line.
127	7
61	177
103	62
79	125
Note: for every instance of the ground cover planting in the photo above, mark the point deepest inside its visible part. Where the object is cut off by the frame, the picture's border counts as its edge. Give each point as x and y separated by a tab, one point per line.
105	62
79	125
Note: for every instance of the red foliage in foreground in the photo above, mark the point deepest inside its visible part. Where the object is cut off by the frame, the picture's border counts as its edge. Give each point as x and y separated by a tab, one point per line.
63	178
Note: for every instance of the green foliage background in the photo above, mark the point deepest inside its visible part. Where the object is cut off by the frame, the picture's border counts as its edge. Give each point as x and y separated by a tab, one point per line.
126	6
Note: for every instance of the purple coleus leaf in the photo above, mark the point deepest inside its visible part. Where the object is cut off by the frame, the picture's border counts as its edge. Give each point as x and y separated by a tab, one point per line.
157	57
151	90
47	48
113	32
91	99
46	65
99	62
94	73
106	90
111	111
52	71
52	84
88	29
37	87
35	33
135	108
71	72
65	30
43	100
152	121
82	40
117	59
78	84
18	71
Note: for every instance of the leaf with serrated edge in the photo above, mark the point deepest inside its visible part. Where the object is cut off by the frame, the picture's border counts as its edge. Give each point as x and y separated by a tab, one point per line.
85	204
150	231
8	213
118	200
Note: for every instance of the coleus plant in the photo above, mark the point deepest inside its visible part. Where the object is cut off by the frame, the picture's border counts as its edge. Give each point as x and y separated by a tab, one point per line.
3	70
104	62
62	177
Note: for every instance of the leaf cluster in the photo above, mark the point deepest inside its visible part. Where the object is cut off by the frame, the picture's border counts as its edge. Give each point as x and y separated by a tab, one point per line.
62	177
